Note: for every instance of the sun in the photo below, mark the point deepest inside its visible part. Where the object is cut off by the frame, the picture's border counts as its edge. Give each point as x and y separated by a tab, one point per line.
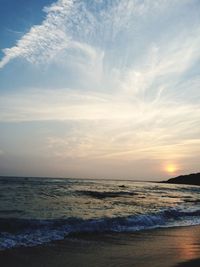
171	168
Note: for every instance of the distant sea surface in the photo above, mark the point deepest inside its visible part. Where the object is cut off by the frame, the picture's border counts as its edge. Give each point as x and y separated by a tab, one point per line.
34	211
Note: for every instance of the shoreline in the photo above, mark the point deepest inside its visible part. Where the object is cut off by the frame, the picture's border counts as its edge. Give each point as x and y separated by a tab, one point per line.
164	247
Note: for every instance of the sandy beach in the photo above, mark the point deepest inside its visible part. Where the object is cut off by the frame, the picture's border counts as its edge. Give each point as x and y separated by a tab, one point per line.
172	247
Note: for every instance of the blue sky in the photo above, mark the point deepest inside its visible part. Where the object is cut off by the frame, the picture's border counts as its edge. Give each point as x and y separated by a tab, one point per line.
99	88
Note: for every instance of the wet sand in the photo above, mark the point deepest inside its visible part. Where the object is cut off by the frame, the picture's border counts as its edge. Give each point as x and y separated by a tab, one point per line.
175	247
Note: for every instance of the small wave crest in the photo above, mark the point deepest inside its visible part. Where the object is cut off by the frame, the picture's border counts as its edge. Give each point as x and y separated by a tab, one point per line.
28	232
102	195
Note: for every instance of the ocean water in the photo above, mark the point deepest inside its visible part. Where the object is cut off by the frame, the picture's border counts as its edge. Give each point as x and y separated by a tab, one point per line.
34	211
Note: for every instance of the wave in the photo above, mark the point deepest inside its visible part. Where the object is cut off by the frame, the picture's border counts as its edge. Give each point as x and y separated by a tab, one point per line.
195	201
102	195
30	232
11	211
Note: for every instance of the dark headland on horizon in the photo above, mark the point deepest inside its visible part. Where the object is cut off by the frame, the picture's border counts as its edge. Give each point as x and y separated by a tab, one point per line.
191	179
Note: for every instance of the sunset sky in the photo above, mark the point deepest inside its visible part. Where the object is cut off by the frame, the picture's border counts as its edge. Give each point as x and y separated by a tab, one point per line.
100	88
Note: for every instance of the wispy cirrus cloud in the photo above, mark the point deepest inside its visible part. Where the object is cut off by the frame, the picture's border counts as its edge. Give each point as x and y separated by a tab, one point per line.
73	24
135	85
43	41
145	134
36	40
110	126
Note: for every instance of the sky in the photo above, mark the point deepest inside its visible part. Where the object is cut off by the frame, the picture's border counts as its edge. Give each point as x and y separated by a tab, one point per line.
99	88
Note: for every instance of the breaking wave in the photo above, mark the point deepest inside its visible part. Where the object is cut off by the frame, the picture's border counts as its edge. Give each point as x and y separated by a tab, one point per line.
30	232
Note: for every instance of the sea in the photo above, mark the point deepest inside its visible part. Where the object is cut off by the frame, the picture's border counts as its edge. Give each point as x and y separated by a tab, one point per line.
35	211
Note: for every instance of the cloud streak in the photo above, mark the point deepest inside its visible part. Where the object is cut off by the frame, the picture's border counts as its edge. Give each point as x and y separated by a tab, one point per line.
110	127
73	23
